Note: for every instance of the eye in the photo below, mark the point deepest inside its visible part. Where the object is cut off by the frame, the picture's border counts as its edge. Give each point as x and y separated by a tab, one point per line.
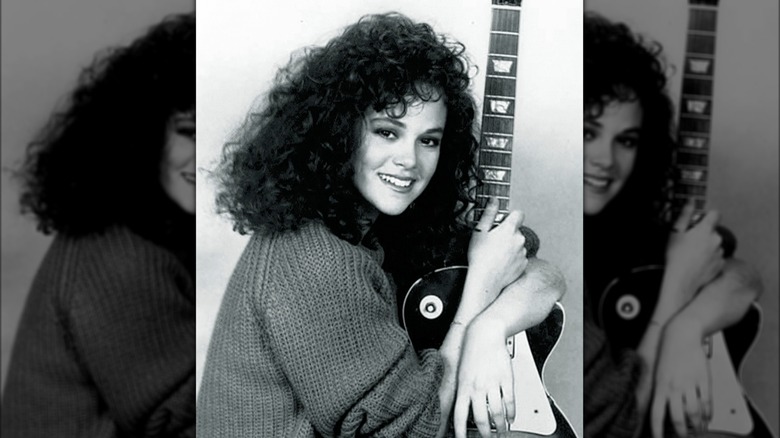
186	131
588	133
431	142
385	133
628	142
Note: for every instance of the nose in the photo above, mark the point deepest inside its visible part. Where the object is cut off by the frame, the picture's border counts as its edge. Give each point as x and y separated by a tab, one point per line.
405	155
598	152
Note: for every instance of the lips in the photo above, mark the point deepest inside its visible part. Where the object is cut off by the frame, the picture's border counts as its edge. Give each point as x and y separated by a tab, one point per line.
597	182
396	182
189	177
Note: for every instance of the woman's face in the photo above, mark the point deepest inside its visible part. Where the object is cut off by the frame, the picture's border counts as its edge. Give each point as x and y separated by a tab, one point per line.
177	168
610	147
398	156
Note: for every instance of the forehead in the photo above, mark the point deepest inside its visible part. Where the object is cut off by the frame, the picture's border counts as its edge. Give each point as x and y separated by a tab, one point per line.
618	113
432	112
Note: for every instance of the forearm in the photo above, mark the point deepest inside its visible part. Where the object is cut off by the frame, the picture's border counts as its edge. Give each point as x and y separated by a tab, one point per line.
722	302
526	302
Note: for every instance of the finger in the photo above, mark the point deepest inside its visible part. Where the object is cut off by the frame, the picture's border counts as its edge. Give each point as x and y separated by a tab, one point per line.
706	400
497	411
460	415
692	406
489	215
657	414
677	414
513	221
711	218
508	392
684	220
479	410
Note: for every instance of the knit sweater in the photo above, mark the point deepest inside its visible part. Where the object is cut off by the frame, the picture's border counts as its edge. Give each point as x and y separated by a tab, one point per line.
307	343
105	346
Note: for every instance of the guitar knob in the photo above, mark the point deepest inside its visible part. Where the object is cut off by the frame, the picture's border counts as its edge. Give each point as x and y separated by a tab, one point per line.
431	307
628	306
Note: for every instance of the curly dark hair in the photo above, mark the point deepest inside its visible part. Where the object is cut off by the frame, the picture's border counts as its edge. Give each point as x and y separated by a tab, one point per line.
96	163
291	163
621	66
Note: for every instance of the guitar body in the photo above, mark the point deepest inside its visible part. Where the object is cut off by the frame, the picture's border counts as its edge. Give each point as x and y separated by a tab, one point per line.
625	309
428	310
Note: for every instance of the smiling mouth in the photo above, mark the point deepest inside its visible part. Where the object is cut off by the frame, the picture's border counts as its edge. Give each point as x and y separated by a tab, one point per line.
189	177
597	182
396	182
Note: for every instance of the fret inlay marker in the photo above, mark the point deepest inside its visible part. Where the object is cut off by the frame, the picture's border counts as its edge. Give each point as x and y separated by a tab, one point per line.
502	66
495	174
700	66
693	175
499	106
694	142
696	106
497	142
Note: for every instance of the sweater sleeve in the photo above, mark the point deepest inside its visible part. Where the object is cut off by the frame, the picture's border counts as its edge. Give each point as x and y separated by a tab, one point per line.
610	380
331	323
132	326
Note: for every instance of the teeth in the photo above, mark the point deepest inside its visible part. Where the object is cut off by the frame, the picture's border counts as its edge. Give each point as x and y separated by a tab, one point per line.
596	182
395	181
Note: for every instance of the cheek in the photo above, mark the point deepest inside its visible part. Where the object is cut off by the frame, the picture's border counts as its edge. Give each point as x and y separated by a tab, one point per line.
626	158
179	153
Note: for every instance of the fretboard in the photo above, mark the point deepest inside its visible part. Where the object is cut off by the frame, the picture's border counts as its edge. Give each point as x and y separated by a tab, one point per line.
498	112
692	156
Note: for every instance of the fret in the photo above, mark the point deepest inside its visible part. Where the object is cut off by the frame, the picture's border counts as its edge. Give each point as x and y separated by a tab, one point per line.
689	124
503	32
500	198
500	86
702	19
503	44
495	125
495	167
502	54
701	44
692	158
712	3
495	190
701	32
690	190
697	86
492	96
493	158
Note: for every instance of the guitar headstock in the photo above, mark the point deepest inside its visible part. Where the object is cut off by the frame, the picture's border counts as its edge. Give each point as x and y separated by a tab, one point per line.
516	3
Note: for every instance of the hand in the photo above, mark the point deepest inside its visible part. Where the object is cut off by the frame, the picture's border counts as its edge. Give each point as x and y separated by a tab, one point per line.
485	381
694	256
682	381
497	256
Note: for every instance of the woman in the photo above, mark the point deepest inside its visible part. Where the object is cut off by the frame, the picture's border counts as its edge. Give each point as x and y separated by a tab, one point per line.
105	344
627	164
352	179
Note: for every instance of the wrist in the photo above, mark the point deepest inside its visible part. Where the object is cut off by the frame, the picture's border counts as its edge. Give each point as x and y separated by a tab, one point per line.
684	326
486	326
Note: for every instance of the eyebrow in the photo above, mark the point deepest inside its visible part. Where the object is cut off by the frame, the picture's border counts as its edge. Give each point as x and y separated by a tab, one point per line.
401	124
631	130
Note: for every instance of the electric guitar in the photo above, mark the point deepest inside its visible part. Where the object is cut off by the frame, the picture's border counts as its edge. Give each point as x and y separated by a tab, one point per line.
430	304
628	302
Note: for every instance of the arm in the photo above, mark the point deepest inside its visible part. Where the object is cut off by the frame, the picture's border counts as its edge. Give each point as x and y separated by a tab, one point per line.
682	374
329	313
132	322
485	370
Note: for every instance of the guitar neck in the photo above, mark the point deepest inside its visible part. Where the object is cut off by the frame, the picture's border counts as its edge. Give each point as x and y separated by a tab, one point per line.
498	111
695	110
